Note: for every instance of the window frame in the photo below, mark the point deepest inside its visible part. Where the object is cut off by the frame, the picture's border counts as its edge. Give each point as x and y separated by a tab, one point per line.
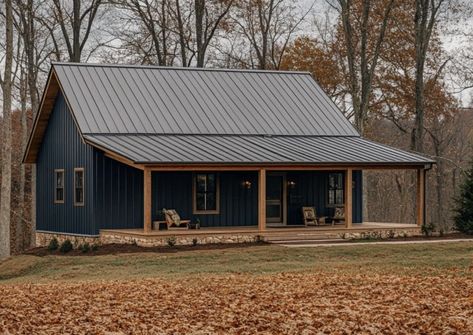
76	203
217	194
56	172
341	188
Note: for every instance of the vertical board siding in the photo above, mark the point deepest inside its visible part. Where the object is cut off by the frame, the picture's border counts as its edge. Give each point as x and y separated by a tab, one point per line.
119	194
357	196
238	206
311	190
62	148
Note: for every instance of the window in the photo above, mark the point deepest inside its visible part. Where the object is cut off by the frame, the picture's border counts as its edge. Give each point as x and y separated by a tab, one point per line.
206	193
78	187
59	186
335	189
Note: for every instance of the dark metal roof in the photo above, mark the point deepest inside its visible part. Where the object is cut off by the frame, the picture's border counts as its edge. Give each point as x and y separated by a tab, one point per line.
202	149
162	100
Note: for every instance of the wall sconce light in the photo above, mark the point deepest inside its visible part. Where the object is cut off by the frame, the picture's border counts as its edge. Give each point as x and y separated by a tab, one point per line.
291	184
246	184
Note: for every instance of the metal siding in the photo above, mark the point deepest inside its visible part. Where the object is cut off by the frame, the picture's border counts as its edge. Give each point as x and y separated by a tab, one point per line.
198	101
253	149
119	190
238	206
358	196
311	190
62	148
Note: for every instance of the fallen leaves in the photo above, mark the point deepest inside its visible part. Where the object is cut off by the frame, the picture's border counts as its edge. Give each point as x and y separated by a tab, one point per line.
303	303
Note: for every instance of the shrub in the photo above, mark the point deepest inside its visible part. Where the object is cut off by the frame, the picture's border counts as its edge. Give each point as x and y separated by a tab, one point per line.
171	241
66	246
95	247
85	247
195	241
464	208
427	229
53	244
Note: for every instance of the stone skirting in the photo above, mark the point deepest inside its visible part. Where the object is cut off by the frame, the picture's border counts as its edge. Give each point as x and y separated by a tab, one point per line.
167	239
43	239
380	234
158	241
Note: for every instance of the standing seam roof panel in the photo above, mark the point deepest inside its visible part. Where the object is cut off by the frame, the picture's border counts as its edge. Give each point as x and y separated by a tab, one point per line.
160	100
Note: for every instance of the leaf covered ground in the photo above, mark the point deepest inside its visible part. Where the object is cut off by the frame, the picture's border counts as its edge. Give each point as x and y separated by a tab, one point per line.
335	295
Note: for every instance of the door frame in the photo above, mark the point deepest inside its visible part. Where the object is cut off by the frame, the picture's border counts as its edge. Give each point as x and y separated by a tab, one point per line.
283	198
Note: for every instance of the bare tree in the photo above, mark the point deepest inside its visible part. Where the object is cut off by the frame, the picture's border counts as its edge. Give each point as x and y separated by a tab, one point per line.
75	21
361	59
208	18
268	26
6	84
426	16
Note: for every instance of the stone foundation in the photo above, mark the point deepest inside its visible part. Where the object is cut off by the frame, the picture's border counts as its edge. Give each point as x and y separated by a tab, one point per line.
43	239
380	234
158	241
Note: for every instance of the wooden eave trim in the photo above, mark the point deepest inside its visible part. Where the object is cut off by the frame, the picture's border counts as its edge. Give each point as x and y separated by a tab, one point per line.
214	167
53	87
116	156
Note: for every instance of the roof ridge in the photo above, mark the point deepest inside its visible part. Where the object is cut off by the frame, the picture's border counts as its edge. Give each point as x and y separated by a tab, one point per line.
180	68
215	135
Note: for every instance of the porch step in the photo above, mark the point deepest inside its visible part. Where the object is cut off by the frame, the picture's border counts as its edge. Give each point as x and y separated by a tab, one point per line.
308	241
279	238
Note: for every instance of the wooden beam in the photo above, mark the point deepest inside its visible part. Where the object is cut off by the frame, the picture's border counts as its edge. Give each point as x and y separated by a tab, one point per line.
262	200
348	198
120	159
147	200
214	167
420	198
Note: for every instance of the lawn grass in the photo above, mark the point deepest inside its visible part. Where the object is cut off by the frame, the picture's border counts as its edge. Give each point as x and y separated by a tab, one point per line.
415	259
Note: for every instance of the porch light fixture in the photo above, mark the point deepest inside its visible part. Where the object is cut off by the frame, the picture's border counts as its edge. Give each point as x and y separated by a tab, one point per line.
246	184
291	184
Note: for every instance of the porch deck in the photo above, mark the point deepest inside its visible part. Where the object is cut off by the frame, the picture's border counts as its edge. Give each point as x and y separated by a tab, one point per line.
249	233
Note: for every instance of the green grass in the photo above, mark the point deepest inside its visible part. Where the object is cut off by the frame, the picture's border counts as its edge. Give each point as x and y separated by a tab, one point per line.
423	259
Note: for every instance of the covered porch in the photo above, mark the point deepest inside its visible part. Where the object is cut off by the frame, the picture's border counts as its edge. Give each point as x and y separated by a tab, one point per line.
273	234
260	183
262	200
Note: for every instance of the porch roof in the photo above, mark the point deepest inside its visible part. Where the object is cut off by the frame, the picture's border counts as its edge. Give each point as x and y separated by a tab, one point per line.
208	149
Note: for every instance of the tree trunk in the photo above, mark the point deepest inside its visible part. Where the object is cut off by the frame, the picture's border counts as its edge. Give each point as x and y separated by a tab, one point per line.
20	230
182	39
199	23
76	32
5	202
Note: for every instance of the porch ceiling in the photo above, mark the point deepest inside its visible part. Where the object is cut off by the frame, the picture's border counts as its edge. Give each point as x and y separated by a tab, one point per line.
211	149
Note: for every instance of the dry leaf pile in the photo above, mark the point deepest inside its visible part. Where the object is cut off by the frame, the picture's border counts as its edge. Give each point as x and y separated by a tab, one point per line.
305	303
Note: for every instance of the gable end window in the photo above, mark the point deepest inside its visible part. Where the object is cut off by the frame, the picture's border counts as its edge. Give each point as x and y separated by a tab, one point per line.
206	193
335	196
59	186
78	187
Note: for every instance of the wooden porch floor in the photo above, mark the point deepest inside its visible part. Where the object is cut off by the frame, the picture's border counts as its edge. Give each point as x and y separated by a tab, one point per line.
270	231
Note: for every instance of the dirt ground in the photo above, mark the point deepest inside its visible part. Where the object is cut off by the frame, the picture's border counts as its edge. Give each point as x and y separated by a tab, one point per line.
254	290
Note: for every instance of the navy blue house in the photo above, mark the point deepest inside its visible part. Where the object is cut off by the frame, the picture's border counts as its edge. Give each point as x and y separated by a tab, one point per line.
114	145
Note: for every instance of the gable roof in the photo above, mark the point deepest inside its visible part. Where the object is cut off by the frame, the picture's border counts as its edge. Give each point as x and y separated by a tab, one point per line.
165	100
207	116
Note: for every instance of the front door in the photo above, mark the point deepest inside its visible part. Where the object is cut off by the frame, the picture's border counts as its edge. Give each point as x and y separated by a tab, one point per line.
275	198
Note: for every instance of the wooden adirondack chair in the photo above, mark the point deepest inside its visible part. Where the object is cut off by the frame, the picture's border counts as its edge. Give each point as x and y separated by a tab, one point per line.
339	215
310	218
171	219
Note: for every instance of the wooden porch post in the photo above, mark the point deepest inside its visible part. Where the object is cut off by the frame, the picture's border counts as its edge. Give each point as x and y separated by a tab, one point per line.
147	200
348	198
420	199
262	200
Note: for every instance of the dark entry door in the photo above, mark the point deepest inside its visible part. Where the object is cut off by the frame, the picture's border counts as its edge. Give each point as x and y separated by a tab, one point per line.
275	198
